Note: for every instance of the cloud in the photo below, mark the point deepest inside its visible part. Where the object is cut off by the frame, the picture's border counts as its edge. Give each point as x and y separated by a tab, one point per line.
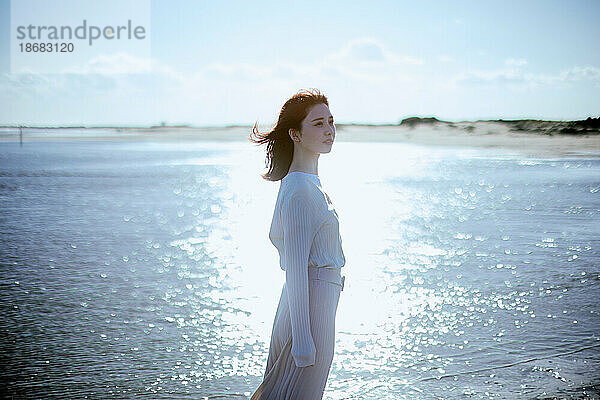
244	71
364	79
110	89
515	62
371	51
586	73
445	58
36	84
123	89
515	77
123	63
361	60
107	64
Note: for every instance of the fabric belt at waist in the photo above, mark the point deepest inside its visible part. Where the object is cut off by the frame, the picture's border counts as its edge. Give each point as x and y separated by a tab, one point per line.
331	275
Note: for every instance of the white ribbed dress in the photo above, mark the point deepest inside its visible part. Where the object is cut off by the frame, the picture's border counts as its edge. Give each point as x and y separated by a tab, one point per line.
305	231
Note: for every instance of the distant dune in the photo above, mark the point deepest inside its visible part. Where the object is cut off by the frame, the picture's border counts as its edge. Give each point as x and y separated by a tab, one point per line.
589	126
531	137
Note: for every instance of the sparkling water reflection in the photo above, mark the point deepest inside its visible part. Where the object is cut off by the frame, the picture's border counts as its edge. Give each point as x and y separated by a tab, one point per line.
144	269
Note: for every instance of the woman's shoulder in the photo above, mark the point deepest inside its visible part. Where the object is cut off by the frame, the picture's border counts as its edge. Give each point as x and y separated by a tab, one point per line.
304	198
297	188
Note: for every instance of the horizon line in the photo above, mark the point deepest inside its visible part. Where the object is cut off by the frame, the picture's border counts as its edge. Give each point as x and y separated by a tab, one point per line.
228	126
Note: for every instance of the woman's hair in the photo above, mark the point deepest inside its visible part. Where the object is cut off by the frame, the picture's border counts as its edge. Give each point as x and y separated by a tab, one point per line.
280	147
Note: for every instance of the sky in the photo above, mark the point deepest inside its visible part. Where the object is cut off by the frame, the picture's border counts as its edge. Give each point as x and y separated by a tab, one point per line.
214	63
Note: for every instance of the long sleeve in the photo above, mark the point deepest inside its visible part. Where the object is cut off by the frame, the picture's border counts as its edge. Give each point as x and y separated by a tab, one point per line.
299	225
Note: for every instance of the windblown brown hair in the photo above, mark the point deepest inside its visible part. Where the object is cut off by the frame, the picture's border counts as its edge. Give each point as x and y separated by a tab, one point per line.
280	147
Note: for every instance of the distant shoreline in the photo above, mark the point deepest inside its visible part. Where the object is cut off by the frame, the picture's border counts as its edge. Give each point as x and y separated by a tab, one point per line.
530	137
588	126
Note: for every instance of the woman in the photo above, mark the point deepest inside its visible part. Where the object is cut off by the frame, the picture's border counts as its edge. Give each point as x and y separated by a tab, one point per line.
305	231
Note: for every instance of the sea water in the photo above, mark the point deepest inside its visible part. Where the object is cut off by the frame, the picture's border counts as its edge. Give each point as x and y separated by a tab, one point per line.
143	270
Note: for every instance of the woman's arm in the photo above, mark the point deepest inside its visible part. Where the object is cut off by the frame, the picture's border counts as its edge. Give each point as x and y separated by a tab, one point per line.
299	231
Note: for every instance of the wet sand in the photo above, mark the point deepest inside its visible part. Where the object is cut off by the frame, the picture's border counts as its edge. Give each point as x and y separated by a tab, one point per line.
483	135
531	142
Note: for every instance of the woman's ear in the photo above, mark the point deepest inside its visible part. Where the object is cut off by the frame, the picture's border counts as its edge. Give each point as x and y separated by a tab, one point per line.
294	134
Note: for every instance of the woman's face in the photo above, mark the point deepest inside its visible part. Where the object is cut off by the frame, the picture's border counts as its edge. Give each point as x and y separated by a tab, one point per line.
318	130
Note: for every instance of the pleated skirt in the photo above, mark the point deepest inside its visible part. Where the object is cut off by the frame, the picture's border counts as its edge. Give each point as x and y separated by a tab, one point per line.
283	380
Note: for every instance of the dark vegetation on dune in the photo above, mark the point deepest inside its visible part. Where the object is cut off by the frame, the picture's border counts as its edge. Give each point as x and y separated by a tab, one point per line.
589	126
